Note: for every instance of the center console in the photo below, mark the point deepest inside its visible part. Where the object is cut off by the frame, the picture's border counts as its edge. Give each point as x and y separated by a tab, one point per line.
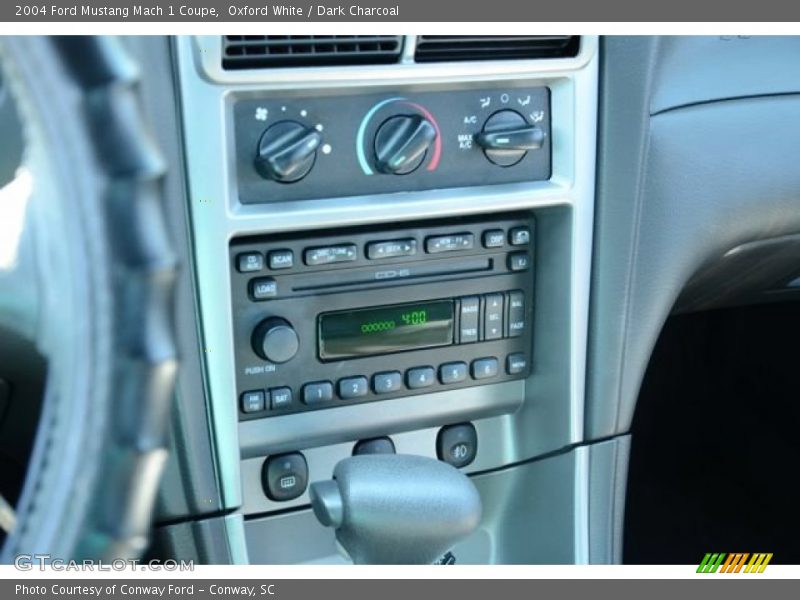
394	258
354	315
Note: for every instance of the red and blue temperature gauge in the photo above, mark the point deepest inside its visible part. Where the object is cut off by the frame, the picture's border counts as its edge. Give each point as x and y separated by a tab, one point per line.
363	151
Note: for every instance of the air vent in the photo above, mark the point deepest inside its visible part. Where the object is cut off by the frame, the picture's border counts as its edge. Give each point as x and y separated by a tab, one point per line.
443	48
269	51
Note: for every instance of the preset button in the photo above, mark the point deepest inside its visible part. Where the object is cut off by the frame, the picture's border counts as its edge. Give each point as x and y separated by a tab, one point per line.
454	372
317	393
420	377
484	368
384	383
352	387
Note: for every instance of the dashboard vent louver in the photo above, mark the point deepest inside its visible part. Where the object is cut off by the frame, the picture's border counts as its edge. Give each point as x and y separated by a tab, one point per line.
269	51
444	48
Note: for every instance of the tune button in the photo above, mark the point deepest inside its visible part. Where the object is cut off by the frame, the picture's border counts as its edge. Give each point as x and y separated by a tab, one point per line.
330	254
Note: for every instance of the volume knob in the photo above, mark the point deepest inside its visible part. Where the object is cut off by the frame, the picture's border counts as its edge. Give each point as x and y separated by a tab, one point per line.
275	340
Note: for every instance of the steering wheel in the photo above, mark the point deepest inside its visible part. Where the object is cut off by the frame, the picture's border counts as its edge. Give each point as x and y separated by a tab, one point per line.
86	274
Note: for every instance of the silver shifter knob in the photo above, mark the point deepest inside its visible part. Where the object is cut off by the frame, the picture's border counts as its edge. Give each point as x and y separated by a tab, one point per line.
396	509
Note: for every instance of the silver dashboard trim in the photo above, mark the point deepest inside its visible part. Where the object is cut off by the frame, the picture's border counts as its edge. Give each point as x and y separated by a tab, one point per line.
216	216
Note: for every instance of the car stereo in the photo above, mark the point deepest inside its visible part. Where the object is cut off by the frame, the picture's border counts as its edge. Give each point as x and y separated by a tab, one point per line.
364	314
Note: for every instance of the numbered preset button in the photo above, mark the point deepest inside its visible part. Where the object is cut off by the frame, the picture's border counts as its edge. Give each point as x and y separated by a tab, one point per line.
420	377
318	392
353	387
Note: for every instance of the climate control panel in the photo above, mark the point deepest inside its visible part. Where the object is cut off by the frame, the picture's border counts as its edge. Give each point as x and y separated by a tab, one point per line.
359	144
366	314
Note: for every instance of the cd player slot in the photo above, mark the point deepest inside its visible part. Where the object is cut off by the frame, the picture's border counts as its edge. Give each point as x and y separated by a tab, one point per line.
387	274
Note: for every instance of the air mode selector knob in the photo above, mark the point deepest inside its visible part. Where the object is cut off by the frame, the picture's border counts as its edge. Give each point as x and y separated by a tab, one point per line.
507	137
402	142
275	340
287	151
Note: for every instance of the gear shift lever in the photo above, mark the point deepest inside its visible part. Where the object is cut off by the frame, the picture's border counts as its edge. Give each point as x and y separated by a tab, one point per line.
395	508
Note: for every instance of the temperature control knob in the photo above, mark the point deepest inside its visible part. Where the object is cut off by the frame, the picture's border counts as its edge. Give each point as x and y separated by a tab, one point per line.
507	137
402	142
275	340
287	151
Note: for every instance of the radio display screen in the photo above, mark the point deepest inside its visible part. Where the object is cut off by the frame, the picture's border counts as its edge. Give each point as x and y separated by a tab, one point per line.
385	329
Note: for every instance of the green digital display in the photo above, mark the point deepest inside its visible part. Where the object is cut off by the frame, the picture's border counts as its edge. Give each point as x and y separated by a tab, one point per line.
385	329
